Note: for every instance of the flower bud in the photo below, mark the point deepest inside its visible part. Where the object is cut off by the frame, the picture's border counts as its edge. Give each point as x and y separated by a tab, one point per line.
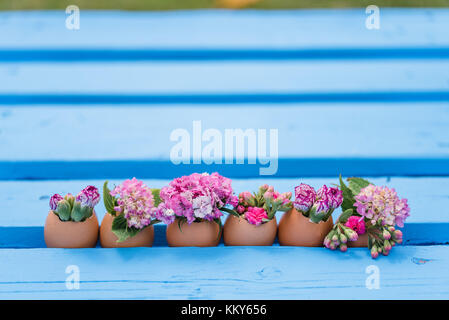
343	247
343	238
398	234
351	234
387	245
374	253
54	200
386	235
327	242
268	195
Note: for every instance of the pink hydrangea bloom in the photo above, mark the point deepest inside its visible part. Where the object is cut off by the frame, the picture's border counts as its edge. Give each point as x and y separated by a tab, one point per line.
136	202
357	224
54	200
255	215
305	196
89	197
376	202
197	196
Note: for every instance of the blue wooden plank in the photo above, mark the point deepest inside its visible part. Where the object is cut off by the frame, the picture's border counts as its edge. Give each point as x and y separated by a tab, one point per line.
21	221
212	273
382	140
287	168
113	55
218	29
263	78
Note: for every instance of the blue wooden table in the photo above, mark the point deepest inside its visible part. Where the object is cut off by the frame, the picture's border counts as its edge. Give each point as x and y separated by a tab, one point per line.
79	107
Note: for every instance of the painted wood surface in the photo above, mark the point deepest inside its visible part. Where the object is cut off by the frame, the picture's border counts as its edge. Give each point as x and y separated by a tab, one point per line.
226	78
224	273
64	96
25	206
409	139
209	29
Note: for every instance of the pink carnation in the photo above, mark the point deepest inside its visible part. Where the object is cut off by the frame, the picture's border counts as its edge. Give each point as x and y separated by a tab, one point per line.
136	202
304	197
381	203
357	224
255	215
54	200
89	196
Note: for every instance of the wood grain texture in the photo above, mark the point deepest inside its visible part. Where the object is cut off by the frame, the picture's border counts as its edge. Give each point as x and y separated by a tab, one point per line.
409	139
207	29
218	77
224	273
133	133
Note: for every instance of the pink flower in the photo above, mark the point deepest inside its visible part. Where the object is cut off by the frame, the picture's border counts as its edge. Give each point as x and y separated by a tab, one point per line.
305	197
197	196
88	197
357	224
54	200
255	215
381	203
136	202
336	197
240	209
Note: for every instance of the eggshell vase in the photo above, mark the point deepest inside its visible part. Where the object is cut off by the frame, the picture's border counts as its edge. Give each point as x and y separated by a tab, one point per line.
196	234
70	234
361	242
239	232
296	230
108	239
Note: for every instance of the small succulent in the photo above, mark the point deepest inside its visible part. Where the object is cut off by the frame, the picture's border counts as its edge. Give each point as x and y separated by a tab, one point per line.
79	208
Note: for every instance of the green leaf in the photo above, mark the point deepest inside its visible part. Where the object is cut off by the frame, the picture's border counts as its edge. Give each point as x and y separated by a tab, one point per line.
316	217
230	211
357	184
157	198
108	200
154	221
121	230
370	242
63	210
220	226
181	221
345	215
348	196
77	213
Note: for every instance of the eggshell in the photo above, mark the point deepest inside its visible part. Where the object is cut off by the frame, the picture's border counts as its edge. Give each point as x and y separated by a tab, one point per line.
296	230
196	234
361	242
239	232
70	234
108	239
